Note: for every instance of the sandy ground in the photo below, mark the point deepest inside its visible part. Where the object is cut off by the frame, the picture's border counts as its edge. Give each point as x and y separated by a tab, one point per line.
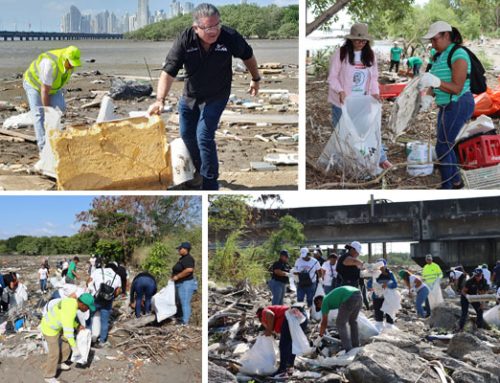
107	364
237	145
318	131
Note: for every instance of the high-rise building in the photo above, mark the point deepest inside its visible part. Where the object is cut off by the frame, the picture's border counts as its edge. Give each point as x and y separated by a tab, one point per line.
132	23
124	23
143	13
175	9
85	28
187	8
75	19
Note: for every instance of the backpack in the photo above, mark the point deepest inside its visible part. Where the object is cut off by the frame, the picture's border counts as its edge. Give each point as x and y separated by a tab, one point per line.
477	79
106	292
305	278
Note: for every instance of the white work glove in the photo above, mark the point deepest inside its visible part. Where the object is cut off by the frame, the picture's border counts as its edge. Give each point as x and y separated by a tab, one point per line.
76	353
426	103
429	80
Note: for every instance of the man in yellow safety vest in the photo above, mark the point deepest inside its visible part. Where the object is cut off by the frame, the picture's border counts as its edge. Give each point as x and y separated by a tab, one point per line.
43	83
431	271
58	328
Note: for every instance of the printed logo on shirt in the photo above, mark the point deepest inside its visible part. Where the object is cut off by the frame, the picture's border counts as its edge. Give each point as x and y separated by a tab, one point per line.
192	49
220	48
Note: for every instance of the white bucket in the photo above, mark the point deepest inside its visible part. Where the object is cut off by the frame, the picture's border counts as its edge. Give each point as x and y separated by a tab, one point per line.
419	159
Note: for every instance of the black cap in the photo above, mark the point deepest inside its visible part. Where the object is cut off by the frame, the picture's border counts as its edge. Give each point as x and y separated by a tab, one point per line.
284	252
184	245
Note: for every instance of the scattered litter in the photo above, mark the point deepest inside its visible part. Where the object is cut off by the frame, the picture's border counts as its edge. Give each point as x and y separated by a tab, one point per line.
262	166
282	159
128	90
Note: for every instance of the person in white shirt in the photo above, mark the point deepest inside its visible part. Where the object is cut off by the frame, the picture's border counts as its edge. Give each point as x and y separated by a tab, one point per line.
330	273
104	304
92	262
422	290
43	273
308	270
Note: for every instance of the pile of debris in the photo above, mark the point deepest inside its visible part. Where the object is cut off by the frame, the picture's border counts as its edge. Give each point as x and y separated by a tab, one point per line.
415	350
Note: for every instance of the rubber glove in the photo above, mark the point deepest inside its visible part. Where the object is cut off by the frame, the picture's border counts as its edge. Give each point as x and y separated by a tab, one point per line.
426	103
429	80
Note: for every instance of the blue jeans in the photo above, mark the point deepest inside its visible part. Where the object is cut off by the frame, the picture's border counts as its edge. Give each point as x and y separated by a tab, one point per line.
197	127
451	119
337	114
144	287
105	310
422	295
55	295
43	284
278	291
306	292
416	69
185	291
36	107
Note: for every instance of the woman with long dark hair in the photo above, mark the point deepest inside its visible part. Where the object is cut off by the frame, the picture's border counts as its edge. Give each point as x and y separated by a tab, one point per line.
450	88
354	72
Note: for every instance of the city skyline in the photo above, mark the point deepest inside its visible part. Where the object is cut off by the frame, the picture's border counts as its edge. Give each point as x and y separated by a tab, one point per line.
47	16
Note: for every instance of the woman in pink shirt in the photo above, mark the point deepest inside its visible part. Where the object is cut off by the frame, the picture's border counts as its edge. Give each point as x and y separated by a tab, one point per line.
354	72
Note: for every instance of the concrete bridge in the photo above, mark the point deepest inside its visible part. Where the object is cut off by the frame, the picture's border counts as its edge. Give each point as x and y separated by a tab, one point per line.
456	231
20	36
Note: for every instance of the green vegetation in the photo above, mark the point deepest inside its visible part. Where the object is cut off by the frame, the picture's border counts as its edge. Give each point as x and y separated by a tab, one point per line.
248	19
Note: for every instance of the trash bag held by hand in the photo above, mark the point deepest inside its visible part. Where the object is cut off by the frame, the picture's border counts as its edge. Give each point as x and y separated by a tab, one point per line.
435	294
355	145
83	340
163	302
261	359
128	90
300	344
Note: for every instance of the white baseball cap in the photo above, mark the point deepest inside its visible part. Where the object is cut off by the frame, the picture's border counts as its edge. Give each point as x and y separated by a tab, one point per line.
304	252
437	27
356	246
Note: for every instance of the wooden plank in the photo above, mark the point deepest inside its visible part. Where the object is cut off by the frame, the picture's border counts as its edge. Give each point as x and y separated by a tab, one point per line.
11	133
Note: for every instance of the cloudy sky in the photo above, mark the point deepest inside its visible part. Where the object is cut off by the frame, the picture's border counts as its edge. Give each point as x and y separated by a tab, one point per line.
46	15
40	216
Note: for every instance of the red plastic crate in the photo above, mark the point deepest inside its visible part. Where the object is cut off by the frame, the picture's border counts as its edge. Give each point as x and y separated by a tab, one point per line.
391	90
480	152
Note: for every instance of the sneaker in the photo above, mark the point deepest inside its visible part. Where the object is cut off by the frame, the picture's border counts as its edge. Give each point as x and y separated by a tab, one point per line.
51	380
63	367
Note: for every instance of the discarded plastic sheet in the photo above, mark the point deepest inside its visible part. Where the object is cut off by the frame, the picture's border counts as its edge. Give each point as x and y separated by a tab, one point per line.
47	162
405	109
163	302
261	359
355	144
492	316
300	344
122	154
83	340
282	159
482	124
241	348
107	110
182	165
341	359
19	121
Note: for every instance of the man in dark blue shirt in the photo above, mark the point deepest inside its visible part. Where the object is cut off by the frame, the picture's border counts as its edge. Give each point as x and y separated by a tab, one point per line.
474	286
205	50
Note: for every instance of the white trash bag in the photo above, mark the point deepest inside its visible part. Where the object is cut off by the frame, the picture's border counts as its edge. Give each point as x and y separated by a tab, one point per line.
300	344
56	282
492	316
96	325
392	302
163	302
291	279
319	290
262	358
355	145
366	327
83	340
435	294
19	297
450	293
47	163
182	164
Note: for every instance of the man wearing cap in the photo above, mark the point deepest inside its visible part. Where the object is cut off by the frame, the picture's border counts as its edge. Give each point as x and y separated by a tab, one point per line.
43	82
205	50
279	278
431	271
58	328
474	286
308	271
396	52
185	283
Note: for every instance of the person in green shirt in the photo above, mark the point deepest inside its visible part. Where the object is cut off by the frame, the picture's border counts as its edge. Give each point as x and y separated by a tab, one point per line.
414	63
72	275
396	52
348	300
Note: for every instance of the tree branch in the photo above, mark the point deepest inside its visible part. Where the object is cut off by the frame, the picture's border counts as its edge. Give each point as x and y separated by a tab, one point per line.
326	15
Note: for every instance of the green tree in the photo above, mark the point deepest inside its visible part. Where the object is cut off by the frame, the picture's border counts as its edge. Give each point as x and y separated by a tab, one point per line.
110	250
227	213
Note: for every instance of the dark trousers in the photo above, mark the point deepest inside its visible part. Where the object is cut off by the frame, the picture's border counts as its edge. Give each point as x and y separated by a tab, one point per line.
465	312
287	358
362	287
394	64
348	314
197	126
379	314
